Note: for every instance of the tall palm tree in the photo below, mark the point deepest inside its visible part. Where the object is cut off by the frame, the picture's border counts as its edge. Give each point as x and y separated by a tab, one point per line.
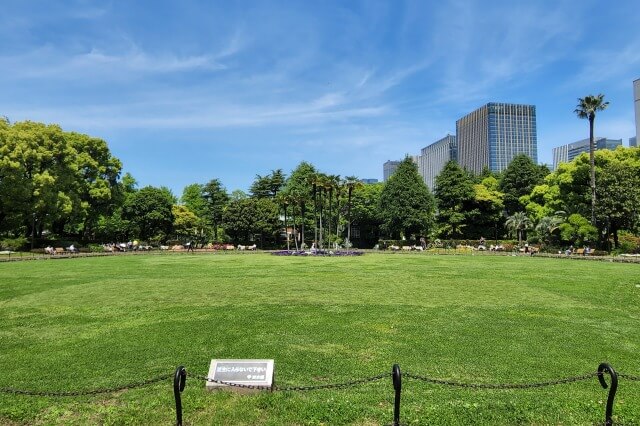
518	222
547	226
322	184
587	108
352	183
330	185
313	181
284	200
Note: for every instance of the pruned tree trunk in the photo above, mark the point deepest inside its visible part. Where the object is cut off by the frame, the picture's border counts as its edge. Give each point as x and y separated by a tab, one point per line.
592	165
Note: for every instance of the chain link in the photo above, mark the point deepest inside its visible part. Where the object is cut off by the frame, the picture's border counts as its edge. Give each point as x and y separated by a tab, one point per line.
341	385
501	385
86	392
275	388
630	377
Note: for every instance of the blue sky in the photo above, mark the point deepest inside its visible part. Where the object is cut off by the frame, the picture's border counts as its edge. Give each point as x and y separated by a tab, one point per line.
185	91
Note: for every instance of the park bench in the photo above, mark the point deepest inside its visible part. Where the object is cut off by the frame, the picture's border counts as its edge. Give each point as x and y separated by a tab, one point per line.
60	250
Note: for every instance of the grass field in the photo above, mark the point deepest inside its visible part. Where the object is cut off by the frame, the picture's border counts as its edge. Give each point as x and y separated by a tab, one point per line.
80	324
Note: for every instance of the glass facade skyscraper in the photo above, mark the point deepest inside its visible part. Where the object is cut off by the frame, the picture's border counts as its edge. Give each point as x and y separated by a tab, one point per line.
389	168
434	157
566	153
495	133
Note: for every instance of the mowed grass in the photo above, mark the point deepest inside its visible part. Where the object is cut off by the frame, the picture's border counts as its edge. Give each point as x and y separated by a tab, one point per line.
81	324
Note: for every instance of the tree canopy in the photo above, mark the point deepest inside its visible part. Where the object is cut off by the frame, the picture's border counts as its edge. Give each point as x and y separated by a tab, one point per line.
406	204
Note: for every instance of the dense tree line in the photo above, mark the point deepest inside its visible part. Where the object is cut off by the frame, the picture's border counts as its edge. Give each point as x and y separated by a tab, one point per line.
57	185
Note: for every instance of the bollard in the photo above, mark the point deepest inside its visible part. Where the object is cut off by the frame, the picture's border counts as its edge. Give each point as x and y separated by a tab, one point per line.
396	375
179	380
604	367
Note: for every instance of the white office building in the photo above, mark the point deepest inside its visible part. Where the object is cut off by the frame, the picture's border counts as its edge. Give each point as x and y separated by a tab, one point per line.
636	97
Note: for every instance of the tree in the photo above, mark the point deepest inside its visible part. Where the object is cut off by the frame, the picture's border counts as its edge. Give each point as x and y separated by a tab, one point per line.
56	180
454	194
150	211
519	179
246	217
216	196
299	187
268	186
547	226
578	230
352	183
365	212
186	224
486	216
193	198
406	205
237	219
587	108
518	223
618	191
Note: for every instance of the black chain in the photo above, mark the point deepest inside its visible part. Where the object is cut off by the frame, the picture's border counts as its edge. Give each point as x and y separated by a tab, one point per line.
275	388
86	392
342	385
503	385
630	377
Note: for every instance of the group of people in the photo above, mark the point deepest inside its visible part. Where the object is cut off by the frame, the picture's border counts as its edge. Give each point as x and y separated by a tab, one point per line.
50	250
586	251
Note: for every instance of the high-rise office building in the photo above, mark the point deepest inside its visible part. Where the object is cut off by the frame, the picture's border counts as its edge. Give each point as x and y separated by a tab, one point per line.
633	141
495	133
566	153
636	97
369	181
434	157
389	168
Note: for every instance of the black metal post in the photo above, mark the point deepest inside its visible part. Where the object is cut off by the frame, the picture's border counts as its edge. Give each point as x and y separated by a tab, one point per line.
604	367
397	385
179	380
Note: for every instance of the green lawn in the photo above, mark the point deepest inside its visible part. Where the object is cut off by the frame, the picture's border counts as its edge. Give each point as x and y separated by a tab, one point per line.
79	324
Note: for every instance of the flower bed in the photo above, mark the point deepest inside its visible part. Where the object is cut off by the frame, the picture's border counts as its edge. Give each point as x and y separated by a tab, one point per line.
317	253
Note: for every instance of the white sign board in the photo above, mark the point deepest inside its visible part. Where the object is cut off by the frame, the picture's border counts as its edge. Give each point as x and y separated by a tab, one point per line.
255	372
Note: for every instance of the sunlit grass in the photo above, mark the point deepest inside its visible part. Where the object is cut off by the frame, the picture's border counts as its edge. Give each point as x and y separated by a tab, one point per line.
94	322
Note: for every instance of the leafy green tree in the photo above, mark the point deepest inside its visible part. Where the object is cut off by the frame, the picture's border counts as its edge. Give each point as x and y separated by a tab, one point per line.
238	194
578	230
486	216
587	108
113	227
618	191
186	225
217	198
298	187
518	223
519	179
454	194
251	216
365	213
266	221
56	180
150	211
237	219
617	174
268	186
193	198
547	226
406	204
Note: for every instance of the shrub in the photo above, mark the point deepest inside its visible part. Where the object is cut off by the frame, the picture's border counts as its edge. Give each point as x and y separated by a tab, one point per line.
628	243
13	244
